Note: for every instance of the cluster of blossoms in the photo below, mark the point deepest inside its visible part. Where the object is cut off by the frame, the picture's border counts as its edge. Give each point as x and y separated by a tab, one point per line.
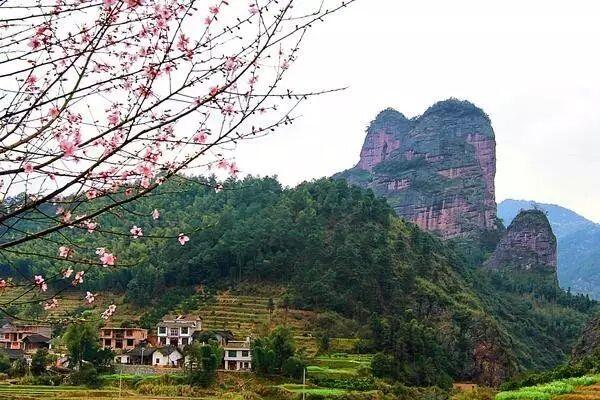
109	311
103	101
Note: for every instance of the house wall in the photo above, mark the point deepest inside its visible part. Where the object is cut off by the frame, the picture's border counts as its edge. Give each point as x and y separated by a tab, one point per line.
167	361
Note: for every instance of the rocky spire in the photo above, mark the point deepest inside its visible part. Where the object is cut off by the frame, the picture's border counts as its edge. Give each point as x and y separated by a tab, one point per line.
436	170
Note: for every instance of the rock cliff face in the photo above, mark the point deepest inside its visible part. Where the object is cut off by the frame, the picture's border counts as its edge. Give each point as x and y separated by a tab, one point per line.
529	244
436	170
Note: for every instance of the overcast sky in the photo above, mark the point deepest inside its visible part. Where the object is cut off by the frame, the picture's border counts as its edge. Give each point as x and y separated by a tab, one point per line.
532	65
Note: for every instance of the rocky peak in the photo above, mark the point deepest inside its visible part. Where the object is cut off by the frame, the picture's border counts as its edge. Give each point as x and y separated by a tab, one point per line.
529	244
437	170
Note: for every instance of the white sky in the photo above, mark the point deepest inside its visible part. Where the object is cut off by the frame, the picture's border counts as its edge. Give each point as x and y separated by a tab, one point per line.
532	65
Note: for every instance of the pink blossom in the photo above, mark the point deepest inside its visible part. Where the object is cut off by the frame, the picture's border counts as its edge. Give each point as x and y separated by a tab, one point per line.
40	282
285	65
183	239
200	137
91	194
78	278
108	259
53	303
183	42
231	63
3	284
54	112
64	251
91	226
114	118
100	251
228	109
222	163
31	80
67	273
136	232
34	43
67	147
66	218
155	214
214	90
28	168
146	170
253	9
213	10
109	311
89	297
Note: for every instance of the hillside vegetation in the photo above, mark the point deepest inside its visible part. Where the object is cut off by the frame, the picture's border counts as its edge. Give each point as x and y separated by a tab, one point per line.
402	293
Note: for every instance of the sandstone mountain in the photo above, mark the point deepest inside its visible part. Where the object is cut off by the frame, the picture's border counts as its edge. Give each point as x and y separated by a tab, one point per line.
528	245
436	170
578	244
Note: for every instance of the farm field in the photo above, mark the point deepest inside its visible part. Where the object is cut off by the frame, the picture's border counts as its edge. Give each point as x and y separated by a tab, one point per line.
582	388
247	315
340	366
31	392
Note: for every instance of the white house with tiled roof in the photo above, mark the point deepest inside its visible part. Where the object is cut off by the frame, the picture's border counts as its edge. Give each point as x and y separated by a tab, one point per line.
177	330
238	355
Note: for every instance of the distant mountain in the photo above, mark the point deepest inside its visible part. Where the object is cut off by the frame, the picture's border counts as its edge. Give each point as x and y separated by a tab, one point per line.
436	170
578	244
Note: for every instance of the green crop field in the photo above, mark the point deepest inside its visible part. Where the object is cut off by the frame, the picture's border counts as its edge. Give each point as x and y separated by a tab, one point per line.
564	389
339	366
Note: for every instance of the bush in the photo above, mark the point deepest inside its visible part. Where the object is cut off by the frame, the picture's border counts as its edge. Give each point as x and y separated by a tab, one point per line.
4	362
39	361
86	375
293	367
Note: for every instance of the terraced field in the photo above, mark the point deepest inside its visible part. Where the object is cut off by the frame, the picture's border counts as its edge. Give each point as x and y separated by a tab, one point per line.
591	392
249	316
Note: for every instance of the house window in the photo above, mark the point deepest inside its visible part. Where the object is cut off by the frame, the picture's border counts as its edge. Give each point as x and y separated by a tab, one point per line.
184	341
245	353
106	333
6	336
157	361
163	341
129	332
174	332
232	353
119	344
129	342
184	330
162	330
107	342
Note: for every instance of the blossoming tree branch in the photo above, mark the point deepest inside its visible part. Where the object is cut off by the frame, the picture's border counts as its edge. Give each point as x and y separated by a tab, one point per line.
102	101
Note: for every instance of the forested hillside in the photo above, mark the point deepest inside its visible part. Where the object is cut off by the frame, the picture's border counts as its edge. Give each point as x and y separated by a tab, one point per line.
430	315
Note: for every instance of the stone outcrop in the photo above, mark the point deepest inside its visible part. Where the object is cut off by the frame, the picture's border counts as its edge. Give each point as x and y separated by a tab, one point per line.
589	343
528	245
436	170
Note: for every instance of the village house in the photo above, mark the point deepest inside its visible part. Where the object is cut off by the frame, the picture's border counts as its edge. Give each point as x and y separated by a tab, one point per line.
12	334
237	356
140	355
122	339
168	356
34	342
178	330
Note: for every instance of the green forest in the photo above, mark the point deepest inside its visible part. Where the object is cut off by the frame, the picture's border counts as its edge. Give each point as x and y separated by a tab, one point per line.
423	306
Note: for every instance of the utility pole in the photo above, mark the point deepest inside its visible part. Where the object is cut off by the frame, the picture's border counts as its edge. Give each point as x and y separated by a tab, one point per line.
304	384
